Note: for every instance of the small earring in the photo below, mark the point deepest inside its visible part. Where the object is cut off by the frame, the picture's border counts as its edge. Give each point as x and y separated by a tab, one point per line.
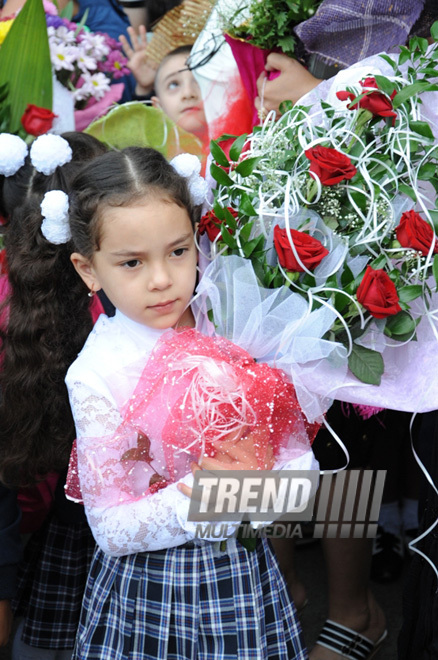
91	293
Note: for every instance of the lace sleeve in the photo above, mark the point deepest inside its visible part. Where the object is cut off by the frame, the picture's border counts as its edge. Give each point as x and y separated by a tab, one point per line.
122	519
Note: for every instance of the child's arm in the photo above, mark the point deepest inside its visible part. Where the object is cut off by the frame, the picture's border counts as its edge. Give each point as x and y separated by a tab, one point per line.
121	522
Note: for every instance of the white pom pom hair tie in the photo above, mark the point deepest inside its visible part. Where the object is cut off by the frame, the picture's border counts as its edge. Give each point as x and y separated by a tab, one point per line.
13	152
46	153
189	167
49	152
54	209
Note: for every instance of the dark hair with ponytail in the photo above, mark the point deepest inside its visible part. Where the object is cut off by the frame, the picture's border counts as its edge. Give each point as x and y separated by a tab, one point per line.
47	322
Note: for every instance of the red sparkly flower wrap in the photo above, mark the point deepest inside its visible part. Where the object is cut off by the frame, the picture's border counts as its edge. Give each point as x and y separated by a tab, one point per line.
194	392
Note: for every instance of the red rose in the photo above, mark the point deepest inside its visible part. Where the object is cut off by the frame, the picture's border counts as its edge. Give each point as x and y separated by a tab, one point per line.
329	165
376	102
310	251
211	224
414	232
377	293
37	121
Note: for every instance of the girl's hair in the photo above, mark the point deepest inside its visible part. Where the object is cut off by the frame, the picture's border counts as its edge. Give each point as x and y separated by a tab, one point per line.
121	178
48	321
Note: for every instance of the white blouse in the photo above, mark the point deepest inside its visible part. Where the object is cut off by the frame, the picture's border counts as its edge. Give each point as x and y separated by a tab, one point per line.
100	382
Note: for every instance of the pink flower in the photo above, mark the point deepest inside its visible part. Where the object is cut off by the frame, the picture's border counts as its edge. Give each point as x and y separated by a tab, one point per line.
50	8
115	65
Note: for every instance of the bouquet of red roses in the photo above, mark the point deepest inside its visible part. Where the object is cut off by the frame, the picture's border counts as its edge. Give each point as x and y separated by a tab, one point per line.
335	203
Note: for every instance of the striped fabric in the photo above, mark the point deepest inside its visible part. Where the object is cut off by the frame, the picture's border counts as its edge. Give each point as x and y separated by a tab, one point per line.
344	641
189	602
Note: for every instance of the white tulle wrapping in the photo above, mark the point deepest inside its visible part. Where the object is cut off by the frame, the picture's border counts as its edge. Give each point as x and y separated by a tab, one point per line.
275	326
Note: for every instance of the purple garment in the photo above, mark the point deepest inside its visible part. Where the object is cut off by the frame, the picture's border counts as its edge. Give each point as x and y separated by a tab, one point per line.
344	32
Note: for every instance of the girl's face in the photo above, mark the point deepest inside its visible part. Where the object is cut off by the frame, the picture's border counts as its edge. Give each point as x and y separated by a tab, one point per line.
146	263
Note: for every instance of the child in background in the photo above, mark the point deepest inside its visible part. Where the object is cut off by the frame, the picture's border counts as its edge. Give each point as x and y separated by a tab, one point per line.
45	320
177	92
153	591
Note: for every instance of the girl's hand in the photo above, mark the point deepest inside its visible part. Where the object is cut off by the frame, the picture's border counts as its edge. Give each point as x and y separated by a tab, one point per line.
143	73
235	454
293	82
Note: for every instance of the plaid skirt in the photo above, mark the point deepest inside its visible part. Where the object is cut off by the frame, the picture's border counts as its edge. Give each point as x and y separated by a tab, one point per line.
52	580
187	603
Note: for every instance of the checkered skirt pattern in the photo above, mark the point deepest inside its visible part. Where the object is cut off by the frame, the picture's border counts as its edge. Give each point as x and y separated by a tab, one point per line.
52	582
188	603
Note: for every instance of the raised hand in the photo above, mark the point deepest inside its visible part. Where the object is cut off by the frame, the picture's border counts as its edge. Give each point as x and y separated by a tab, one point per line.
136	54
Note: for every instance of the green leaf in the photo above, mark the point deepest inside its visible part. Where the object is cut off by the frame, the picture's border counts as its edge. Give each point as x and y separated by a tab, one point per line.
287	44
411	90
422	128
247	166
435	268
245	232
390	61
227	238
226	136
230	220
237	146
426	171
384	84
434	31
407	190
68	11
410	292
25	64
366	365
378	263
285	106
218	210
404	56
218	154
434	217
347	276
220	176
400	324
246	206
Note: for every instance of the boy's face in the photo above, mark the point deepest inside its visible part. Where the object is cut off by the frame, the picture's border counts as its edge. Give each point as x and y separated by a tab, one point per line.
179	96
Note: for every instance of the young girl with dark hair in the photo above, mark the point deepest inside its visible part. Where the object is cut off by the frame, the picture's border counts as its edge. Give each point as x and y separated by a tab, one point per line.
154	589
45	319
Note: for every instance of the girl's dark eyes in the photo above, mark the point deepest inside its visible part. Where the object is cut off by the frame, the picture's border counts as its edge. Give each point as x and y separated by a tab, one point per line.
179	252
132	263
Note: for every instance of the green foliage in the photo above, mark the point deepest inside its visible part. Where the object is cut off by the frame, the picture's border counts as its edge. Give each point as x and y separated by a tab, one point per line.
270	22
25	66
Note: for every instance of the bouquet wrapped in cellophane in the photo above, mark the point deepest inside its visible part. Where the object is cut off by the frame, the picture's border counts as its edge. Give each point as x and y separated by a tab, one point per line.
194	393
324	228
